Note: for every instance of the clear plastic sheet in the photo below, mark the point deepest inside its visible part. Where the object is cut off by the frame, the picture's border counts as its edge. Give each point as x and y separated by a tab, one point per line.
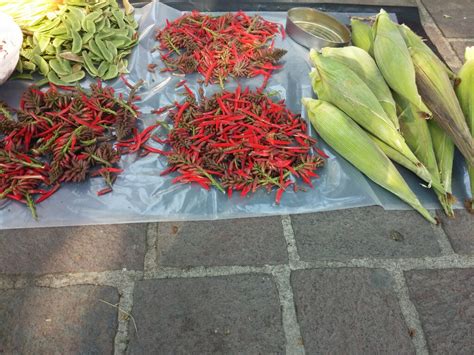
142	195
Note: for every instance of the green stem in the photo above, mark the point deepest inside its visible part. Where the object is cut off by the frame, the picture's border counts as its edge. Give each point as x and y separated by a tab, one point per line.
213	181
100	160
32	206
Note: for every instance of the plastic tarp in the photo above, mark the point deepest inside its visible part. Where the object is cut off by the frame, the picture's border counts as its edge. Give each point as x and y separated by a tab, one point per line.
142	195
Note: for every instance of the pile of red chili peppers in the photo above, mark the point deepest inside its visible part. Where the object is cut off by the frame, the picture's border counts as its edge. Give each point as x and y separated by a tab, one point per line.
64	135
239	141
218	47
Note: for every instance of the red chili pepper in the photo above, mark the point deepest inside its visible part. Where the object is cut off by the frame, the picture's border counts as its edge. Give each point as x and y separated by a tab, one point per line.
48	194
180	83
104	191
252	143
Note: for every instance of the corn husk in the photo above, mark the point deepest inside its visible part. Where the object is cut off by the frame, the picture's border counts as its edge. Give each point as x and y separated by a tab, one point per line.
412	40
360	62
465	94
444	151
394	61
436	90
339	85
352	142
362	36
418	137
403	161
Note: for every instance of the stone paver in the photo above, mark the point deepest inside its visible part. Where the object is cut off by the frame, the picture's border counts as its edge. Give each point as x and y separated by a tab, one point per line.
445	301
250	241
362	232
349	310
460	47
73	249
453	17
208	315
460	231
69	320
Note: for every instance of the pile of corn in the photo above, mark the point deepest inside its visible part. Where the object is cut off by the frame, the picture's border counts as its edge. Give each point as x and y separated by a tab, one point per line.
389	97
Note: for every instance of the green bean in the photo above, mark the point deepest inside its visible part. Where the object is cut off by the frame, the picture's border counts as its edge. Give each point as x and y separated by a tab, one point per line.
50	49
74	22
53	78
42	64
76	42
77	14
59	30
95	49
76	67
29	65
103	49
103	68
58	68
112	72
89	65
119	18
111	48
122	66
71	56
100	24
71	78
19	66
22	76
89	26
81	36
87	37
42	41
49	25
93	16
120	41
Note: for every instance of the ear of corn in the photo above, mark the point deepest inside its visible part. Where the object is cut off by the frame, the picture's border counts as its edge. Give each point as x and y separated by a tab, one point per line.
339	85
394	61
334	126
394	155
360	62
418	137
444	151
412	40
436	90
362	35
465	94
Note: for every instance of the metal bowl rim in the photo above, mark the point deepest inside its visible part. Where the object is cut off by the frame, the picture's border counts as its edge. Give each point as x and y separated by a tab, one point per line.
346	30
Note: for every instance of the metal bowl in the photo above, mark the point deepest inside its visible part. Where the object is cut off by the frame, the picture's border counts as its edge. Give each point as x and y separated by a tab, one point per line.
315	29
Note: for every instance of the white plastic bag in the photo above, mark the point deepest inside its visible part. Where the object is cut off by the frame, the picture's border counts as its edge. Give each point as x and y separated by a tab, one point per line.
11	39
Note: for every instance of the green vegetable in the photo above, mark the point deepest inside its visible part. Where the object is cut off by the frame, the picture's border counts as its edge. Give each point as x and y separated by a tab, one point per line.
352	142
95	35
465	94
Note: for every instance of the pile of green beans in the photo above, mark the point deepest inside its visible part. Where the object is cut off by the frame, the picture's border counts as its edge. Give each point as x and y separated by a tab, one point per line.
93	36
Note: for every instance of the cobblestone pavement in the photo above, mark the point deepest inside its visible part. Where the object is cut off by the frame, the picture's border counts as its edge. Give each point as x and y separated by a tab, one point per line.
354	281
